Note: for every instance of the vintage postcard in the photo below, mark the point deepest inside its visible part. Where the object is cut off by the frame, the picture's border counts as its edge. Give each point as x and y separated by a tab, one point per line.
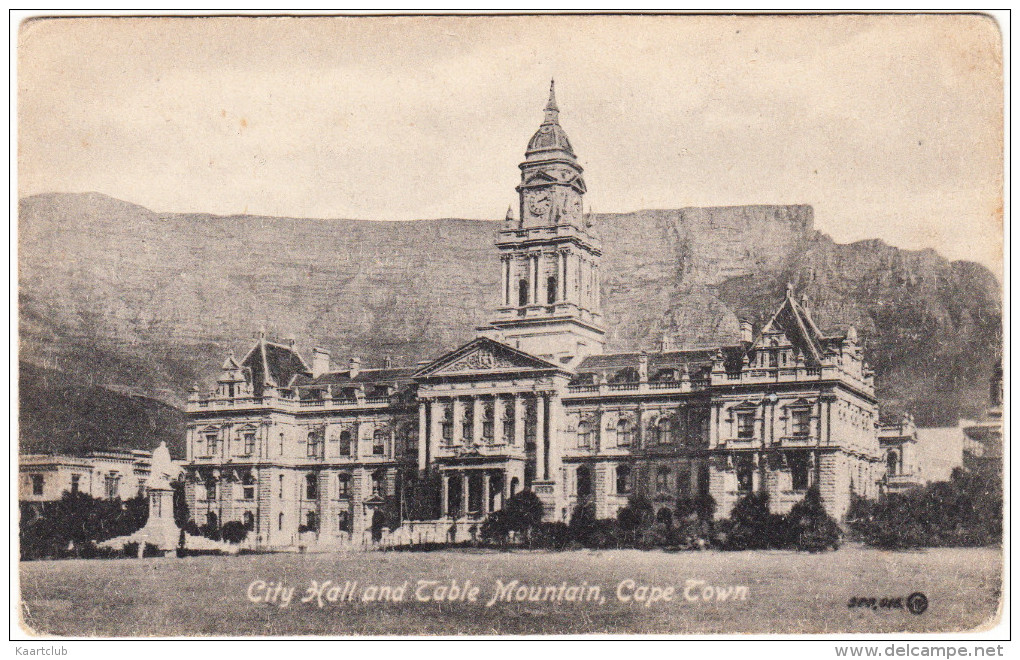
510	325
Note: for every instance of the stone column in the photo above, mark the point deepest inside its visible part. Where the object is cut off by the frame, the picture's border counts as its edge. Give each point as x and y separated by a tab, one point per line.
556	429
476	427
497	419
518	420
535	266
446	495
458	421
565	291
485	493
423	434
465	492
505	271
435	430
541	465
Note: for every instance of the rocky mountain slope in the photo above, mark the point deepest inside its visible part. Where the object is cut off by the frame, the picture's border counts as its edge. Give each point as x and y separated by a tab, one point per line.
114	294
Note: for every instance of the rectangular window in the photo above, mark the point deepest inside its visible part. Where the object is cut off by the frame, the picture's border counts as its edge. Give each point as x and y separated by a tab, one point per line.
281	486
314	445
745	425
75	483
344	485
311	486
249	443
37	484
800	422
211	444
379	443
112	487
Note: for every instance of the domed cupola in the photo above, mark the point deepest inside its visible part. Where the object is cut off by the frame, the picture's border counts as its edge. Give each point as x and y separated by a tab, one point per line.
550	140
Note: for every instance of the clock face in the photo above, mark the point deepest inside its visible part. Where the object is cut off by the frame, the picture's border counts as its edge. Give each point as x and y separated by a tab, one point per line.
539	203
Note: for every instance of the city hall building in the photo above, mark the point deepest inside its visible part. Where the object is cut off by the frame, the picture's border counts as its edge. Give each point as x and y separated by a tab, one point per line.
305	454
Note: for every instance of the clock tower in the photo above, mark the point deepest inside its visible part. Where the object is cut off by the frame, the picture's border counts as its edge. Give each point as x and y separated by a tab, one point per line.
551	301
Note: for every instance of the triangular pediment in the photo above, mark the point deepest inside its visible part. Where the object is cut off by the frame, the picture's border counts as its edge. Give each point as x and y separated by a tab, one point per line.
484	355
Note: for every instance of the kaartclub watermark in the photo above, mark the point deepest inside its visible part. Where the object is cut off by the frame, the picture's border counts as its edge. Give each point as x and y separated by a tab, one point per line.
323	593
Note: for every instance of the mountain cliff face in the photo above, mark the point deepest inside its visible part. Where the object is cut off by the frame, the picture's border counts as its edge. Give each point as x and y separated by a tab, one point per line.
114	294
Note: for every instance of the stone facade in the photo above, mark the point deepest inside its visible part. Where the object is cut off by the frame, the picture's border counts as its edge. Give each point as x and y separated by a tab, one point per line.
108	474
311	456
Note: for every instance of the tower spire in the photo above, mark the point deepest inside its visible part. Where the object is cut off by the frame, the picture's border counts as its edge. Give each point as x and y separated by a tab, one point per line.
552	112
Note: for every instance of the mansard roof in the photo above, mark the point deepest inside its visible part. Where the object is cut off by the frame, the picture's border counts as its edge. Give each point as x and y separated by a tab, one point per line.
794	321
695	360
273	364
364	376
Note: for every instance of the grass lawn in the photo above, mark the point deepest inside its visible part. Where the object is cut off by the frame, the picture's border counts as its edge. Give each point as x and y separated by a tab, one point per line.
786	592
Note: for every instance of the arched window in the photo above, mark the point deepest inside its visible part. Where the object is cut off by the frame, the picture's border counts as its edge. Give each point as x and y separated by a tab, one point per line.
447	424
509	422
343	485
662	479
468	424
379	442
315	443
550	290
210	489
665	425
345	443
248	486
892	462
622	479
623	432
311	486
515	486
487	422
522	293
248	520
664	517
745	474
279	522
281	486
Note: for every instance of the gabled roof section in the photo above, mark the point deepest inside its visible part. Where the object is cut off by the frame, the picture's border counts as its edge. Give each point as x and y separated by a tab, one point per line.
794	321
273	364
484	355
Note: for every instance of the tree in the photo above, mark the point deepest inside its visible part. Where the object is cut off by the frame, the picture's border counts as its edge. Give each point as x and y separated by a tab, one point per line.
521	514
810	527
234	531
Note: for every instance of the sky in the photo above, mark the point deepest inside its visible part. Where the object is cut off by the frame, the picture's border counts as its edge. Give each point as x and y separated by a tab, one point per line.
890	126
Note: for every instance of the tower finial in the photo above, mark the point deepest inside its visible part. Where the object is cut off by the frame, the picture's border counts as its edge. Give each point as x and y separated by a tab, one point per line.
552	111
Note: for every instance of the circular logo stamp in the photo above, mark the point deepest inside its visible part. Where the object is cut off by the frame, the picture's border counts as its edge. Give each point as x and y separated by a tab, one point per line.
917	602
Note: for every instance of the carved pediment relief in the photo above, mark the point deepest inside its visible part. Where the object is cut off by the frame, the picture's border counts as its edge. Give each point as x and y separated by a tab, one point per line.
484	355
480	359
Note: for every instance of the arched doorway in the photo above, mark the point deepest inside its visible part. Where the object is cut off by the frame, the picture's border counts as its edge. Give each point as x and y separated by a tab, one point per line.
584	483
378	519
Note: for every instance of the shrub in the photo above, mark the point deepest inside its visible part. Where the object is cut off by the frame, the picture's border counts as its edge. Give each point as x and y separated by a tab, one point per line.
551	535
521	514
964	511
234	531
751	526
809	527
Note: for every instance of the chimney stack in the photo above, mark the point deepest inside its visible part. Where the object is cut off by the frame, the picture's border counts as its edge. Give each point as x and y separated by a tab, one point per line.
320	361
355	367
746	331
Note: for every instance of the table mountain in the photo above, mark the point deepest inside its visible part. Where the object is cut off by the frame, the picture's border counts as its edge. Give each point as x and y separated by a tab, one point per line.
122	297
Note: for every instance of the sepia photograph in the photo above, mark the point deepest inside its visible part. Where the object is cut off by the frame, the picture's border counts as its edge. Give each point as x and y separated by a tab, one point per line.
510	326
